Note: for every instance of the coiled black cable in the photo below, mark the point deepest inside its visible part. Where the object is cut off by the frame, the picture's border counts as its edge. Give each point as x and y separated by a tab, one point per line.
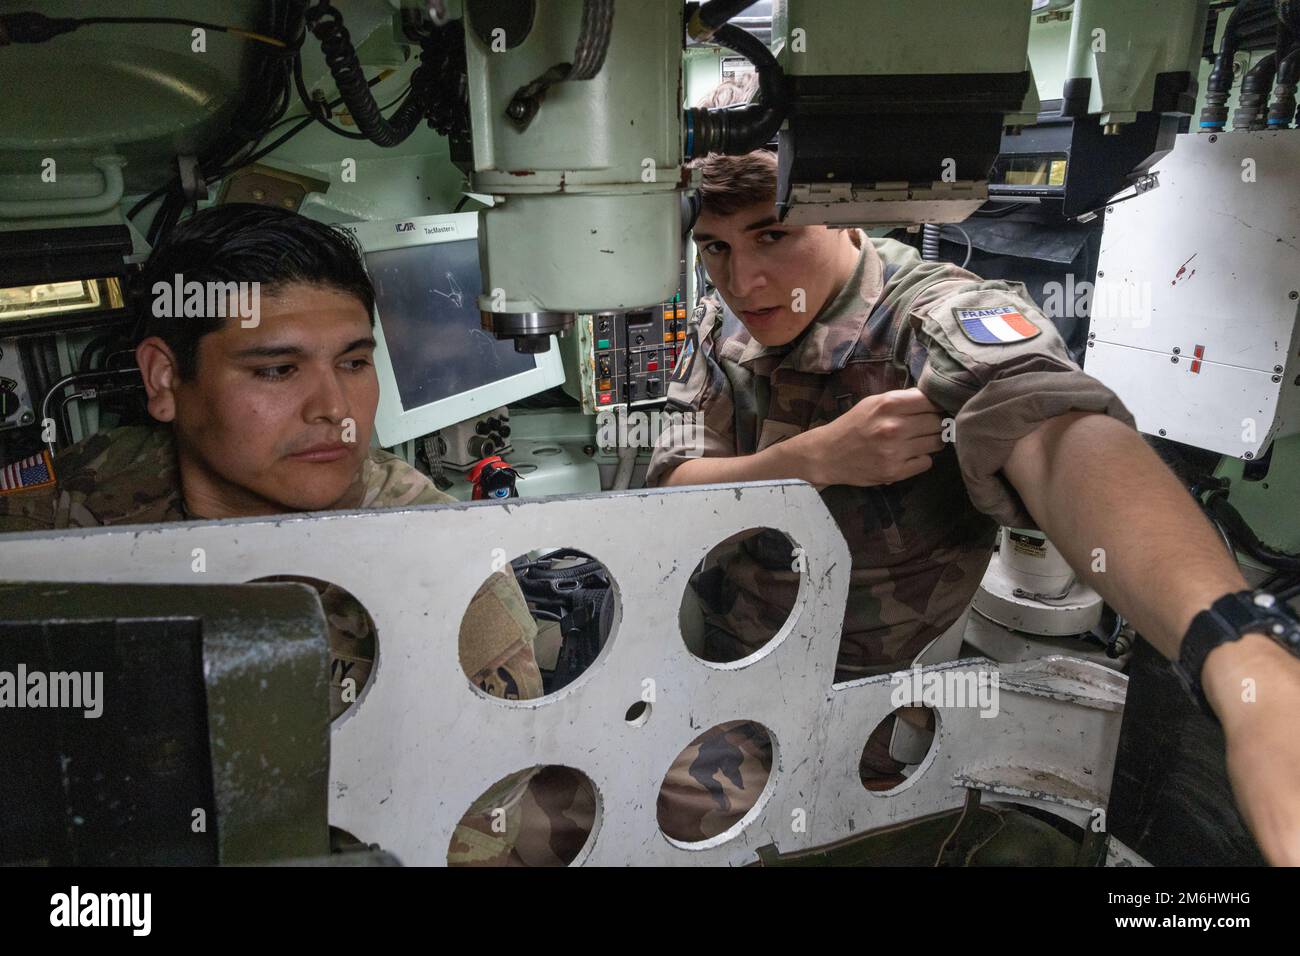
738	131
326	24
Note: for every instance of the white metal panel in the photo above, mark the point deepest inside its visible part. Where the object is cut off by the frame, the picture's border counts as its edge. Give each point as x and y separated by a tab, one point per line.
1223	408
421	744
1211	259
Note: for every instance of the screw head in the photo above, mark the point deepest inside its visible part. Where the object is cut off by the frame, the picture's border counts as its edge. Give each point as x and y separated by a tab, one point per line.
1249	455
1213	137
1174	359
1293	295
1277	368
1162	431
1277	378
1177	350
1100	274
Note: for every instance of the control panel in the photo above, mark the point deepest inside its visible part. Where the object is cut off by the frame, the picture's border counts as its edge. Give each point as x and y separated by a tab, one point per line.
635	352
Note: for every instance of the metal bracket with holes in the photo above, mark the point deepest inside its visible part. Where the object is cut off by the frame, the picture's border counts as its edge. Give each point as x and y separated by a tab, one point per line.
422	744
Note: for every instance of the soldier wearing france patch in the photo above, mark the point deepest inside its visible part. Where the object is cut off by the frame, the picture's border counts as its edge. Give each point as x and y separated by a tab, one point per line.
928	406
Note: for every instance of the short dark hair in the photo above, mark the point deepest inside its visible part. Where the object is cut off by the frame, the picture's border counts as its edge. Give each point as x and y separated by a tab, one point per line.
244	242
729	184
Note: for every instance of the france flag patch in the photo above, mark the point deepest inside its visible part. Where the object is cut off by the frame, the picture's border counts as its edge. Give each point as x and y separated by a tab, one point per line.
1000	326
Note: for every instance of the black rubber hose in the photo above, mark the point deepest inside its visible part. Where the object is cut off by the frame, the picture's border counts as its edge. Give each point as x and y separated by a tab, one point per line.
1215	112
717	12
1252	102
1245	539
326	24
739	131
1288	71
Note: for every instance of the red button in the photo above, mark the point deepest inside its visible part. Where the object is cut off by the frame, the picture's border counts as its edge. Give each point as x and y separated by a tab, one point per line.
604	398
652	366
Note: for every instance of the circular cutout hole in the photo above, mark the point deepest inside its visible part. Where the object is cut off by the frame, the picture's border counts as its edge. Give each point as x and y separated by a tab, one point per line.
525	469
638	714
353	639
741	595
542	816
897	748
537	624
716	784
546	450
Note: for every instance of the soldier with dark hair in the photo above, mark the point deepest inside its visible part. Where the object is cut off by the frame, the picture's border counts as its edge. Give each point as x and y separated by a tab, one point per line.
929	406
269	410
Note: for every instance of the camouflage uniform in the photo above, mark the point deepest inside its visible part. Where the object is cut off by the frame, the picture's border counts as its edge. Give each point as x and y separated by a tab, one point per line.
920	546
130	476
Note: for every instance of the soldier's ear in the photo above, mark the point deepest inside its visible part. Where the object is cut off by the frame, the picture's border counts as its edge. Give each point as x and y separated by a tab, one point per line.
159	370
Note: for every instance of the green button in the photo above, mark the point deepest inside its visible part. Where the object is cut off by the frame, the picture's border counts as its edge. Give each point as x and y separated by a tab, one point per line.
602	343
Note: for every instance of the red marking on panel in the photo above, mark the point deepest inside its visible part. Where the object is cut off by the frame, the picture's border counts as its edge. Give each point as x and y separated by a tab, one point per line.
1196	366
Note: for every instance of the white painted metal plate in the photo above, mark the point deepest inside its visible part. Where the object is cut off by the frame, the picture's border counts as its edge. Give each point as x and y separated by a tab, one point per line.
1209	260
1224	408
422	744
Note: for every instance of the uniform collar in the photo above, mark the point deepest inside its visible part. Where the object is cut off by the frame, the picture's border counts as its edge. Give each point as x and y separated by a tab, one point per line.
826	344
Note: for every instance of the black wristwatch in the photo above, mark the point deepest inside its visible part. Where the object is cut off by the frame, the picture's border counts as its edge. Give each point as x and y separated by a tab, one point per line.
1228	619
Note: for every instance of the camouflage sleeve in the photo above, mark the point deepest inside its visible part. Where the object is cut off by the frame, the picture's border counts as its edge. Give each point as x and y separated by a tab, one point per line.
984	353
28	511
700	393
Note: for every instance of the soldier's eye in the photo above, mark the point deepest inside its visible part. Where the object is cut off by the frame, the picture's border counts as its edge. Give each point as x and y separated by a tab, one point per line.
274	373
713	248
771	235
356	364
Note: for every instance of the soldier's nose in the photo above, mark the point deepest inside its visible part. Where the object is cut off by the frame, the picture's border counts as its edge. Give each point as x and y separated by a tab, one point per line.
746	278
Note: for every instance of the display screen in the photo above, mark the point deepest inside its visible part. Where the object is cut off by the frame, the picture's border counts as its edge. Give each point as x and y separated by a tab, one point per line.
427	302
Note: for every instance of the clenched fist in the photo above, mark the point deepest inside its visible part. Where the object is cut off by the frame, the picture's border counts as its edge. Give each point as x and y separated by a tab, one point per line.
882	439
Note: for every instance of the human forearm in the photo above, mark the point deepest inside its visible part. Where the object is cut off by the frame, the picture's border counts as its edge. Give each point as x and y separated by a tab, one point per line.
787	459
1124	522
1100	493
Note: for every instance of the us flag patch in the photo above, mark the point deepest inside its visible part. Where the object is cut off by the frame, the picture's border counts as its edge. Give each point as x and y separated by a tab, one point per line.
27	475
1000	326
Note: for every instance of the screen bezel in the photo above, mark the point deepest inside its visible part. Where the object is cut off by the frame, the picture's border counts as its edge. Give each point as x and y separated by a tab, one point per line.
394	423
